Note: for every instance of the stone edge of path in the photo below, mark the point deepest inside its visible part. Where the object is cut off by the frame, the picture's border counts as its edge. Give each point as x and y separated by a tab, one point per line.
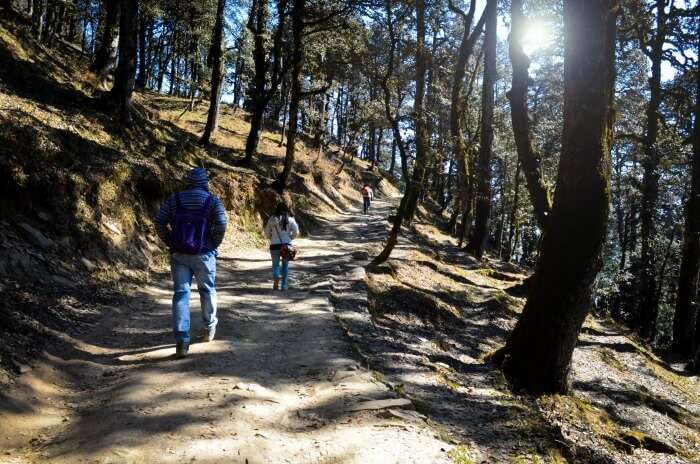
349	303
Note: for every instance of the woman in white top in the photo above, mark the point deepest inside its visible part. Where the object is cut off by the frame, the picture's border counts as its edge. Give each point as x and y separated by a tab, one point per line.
281	229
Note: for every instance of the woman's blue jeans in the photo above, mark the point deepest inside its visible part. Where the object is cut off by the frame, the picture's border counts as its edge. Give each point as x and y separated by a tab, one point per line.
203	268
280	268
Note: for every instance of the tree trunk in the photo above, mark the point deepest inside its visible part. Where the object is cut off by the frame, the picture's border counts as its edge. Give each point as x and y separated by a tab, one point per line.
320	132
285	114
298	8
537	355
106	55
648	304
514	212
39	18
480	232
257	25
162	60
686	306
216	55
149	55
125	73
173	62
143	28
393	158
263	88
371	143
527	154
238	82
411	193
456	101
393	120
422	147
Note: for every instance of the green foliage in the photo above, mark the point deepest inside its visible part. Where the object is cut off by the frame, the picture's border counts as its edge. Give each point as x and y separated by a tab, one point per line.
460	455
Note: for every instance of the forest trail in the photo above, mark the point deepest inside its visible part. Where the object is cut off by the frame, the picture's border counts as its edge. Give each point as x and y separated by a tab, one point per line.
278	385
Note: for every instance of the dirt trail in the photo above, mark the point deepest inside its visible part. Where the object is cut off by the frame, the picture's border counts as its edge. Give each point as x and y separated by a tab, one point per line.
278	385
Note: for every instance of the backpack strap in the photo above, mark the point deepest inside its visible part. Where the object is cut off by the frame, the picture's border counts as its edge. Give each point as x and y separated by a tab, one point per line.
279	234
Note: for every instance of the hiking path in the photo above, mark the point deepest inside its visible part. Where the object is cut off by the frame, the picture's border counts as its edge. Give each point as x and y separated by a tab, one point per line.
280	383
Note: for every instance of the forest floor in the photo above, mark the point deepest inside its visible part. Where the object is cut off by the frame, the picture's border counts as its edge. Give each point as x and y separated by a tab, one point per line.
429	319
294	377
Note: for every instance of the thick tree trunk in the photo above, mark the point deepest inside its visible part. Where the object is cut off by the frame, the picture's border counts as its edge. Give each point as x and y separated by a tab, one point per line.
480	232
125	74
686	306
216	55
106	55
648	304
527	154
537	356
298	10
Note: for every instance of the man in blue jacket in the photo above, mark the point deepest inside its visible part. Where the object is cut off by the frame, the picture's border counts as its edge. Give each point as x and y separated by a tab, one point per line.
192	223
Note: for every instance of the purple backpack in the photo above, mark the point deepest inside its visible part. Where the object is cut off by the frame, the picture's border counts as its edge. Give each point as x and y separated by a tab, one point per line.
190	228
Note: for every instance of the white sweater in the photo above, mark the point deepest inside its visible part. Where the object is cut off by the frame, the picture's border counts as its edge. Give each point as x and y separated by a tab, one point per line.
278	235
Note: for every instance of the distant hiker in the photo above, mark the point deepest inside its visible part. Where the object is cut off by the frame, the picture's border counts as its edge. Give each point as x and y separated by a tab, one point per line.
281	229
193	223
367	196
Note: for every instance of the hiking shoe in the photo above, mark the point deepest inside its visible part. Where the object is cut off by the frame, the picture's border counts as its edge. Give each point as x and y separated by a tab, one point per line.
208	334
181	349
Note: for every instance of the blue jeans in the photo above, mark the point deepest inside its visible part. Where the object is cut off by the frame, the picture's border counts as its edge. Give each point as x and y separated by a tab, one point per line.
280	268
183	267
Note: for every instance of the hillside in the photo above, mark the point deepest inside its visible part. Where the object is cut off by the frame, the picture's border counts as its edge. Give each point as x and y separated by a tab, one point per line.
356	364
79	193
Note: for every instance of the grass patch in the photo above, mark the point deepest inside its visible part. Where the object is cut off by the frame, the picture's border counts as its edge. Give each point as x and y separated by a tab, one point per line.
555	457
443	378
460	455
674	379
609	358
